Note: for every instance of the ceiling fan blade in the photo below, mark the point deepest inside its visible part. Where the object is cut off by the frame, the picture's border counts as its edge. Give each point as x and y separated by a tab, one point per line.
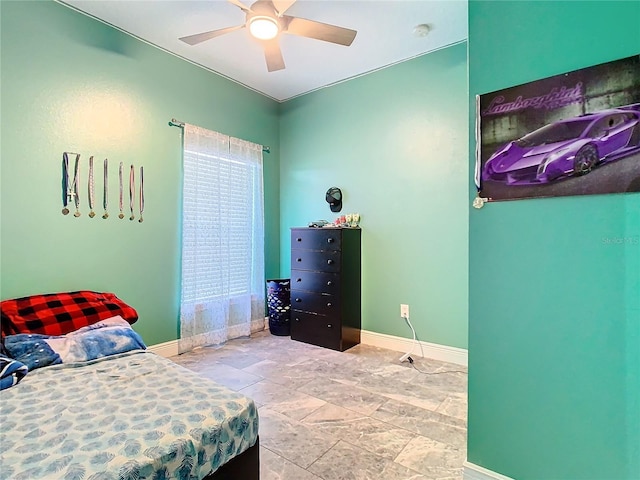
273	55
240	5
203	37
282	5
320	31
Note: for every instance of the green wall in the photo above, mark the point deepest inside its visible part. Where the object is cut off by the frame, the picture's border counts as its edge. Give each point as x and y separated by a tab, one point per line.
395	142
72	83
554	309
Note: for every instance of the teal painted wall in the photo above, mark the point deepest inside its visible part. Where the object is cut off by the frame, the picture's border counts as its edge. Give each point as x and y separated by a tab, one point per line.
72	83
554	310
395	142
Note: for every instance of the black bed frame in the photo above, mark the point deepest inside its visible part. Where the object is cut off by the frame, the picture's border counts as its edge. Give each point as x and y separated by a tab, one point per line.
245	466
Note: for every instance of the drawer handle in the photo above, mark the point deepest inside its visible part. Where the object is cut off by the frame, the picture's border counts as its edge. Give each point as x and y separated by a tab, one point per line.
297	319
330	240
329	304
298	259
298	239
329	262
298	300
329	283
329	325
298	280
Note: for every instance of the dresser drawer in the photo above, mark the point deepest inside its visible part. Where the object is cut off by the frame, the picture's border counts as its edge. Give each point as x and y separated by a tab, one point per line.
316	239
316	329
325	261
321	282
315	302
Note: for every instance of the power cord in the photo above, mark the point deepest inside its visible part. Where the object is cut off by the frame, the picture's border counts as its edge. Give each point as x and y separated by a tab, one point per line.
407	356
411	361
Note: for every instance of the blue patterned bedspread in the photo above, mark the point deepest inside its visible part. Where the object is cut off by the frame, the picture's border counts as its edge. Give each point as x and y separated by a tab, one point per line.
131	416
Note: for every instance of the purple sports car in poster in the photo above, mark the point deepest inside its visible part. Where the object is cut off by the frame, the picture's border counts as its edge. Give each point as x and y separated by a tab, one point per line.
572	134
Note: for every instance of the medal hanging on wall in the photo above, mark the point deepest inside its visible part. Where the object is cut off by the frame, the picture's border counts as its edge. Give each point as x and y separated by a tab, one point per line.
121	202
141	194
76	186
132	191
92	188
66	188
105	193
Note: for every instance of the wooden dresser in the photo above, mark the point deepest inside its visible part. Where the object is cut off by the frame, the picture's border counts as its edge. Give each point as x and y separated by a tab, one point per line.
325	286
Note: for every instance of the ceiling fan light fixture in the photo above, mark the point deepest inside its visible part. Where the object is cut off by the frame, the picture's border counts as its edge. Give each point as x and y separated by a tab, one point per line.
263	28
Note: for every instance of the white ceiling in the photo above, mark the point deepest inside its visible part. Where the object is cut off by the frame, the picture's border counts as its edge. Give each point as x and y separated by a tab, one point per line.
385	36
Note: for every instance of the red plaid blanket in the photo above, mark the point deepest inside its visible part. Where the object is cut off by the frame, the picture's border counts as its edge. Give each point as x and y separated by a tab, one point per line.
61	313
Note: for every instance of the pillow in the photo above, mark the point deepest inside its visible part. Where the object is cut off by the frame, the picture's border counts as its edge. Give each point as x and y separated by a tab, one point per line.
61	313
102	339
32	350
11	372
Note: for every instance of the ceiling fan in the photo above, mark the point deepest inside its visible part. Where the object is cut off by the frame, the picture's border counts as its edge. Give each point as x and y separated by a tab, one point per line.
266	20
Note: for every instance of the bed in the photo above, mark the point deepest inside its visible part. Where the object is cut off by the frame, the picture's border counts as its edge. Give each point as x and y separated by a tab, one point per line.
129	414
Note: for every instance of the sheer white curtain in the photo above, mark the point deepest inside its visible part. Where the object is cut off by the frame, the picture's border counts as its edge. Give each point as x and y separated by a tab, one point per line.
222	239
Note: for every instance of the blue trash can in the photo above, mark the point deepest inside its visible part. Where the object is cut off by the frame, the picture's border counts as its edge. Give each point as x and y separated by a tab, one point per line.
279	306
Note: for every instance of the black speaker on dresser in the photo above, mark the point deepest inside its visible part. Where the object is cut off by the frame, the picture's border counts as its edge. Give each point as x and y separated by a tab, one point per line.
325	286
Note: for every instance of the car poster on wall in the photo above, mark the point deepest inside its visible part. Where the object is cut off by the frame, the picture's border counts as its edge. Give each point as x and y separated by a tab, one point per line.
576	133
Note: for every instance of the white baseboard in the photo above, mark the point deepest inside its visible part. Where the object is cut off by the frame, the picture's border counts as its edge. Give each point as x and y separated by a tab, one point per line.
443	353
476	472
170	349
166	349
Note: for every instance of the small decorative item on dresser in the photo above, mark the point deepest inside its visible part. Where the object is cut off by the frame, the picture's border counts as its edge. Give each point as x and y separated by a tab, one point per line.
350	220
279	306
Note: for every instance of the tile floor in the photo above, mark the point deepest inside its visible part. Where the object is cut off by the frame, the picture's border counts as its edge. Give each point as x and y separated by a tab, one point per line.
354	415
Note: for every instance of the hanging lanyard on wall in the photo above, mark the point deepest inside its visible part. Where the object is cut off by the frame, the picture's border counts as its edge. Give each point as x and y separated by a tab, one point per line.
132	191
92	188
121	202
141	193
66	188
76	186
105	193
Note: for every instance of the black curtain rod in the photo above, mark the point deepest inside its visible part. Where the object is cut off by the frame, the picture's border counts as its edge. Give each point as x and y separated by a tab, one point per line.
177	123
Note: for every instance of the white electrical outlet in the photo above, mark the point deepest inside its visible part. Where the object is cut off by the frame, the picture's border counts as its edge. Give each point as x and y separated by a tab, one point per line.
404	310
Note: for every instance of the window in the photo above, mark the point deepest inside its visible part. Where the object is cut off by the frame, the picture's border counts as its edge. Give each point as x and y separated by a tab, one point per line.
222	235
218	221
